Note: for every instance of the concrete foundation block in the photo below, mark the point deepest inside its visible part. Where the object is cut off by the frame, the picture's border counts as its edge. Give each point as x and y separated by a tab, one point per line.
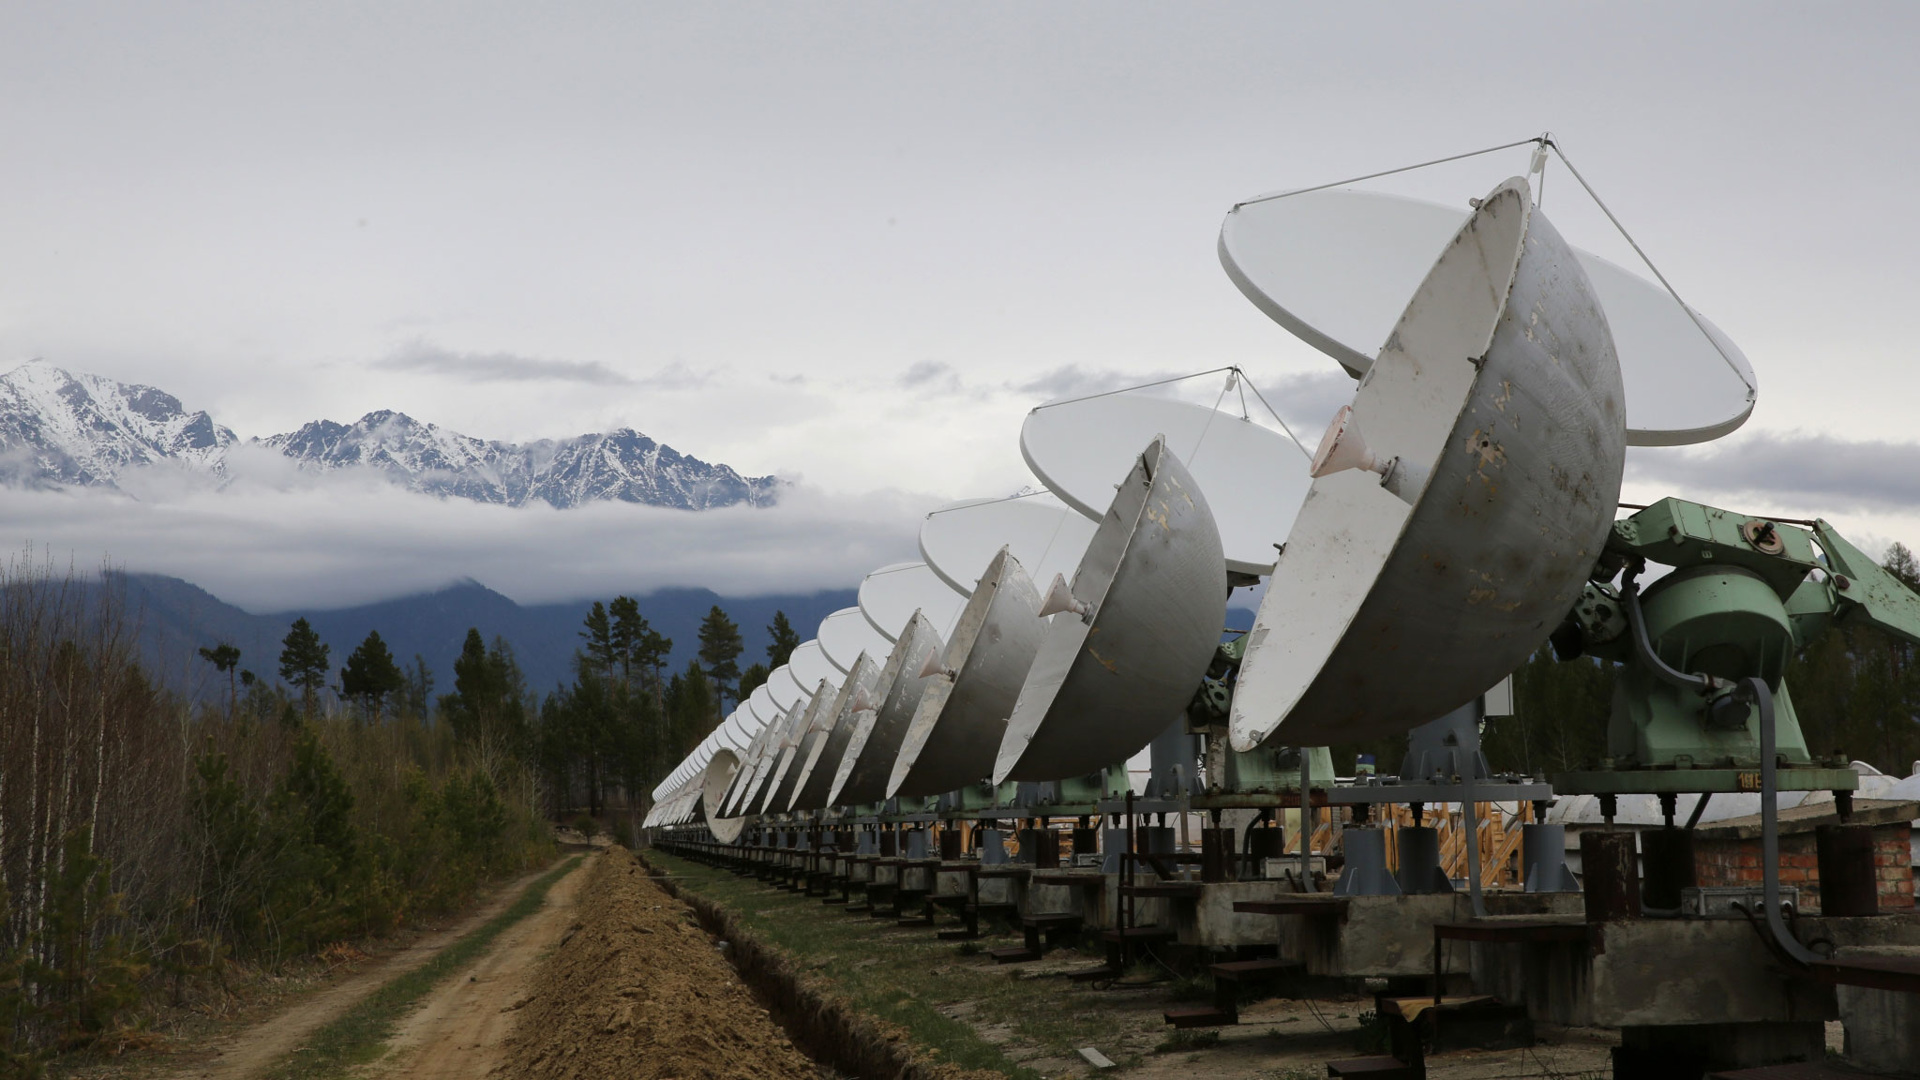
950	883
1211	921
1883	1027
1381	937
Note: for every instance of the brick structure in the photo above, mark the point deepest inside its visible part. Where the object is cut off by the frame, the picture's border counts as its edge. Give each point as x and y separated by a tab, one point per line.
1727	855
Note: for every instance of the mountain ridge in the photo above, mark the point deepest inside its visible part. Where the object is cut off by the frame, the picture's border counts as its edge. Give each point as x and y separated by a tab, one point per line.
60	429
173	618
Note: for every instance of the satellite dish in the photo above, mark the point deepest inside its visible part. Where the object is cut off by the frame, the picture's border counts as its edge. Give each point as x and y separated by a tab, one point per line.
818	769
807	733
846	633
760	706
669	810
683	803
1335	267
809	666
1081	449
1500	384
774	756
891	595
784	689
1045	535
962	715
1154	589
779	784
714	783
877	734
749	769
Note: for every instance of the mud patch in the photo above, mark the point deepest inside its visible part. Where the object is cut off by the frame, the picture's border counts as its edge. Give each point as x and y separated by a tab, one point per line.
635	989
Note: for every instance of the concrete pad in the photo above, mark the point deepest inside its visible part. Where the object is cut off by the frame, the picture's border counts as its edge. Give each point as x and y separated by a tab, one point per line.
1883	1027
1211	921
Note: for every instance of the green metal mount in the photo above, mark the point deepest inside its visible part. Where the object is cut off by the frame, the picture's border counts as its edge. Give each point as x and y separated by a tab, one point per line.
1743	595
1079	796
1266	771
913	809
1258	778
983	800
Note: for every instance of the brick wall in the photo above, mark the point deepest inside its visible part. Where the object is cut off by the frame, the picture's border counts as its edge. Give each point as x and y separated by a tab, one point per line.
1737	862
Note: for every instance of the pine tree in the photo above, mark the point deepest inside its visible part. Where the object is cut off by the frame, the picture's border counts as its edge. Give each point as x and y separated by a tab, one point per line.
225	658
316	849
720	648
419	687
371	676
625	634
304	663
784	640
650	654
599	638
752	679
487	709
691	709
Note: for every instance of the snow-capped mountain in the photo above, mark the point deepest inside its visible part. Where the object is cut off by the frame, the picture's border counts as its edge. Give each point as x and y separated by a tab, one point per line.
58	429
623	465
62	429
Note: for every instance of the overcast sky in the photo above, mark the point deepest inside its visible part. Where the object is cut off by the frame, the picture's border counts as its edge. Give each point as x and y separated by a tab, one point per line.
852	244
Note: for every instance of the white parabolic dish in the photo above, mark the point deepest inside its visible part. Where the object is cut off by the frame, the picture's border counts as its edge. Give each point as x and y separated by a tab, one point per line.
846	633
878	731
1119	663
749	765
1499	386
1335	267
962	716
835	730
714	783
1046	537
890	595
784	689
1253	477
760	708
809	665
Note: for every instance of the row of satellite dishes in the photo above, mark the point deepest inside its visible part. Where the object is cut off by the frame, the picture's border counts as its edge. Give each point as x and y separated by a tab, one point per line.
1442	529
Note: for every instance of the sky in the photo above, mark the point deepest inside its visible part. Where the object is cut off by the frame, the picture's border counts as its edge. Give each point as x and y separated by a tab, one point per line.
852	244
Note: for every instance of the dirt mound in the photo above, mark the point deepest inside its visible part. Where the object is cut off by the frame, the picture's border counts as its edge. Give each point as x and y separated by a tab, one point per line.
636	990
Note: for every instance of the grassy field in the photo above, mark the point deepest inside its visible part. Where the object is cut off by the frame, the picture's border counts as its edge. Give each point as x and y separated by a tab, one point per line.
954	1002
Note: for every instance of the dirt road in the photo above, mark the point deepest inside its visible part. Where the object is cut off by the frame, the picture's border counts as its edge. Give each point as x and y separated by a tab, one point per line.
248	1053
458	1030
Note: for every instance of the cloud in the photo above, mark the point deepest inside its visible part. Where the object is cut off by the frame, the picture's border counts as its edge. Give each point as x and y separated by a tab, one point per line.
510	367
276	538
1307	402
1794	467
931	373
673	377
1071	381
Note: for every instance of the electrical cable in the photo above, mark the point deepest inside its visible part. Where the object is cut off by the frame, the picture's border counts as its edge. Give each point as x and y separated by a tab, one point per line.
1235	368
1752	391
1388	172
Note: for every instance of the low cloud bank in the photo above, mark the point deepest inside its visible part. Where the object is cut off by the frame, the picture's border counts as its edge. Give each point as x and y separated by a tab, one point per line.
274	538
1793	467
425	356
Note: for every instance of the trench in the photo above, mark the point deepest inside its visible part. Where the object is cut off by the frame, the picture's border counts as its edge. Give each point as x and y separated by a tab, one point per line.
826	1030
